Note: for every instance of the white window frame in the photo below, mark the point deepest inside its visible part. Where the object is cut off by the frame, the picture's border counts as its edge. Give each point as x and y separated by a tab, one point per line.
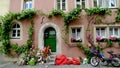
113	28
16	29
98	3
101	31
110	4
61	7
81	33
107	30
104	4
23	4
81	4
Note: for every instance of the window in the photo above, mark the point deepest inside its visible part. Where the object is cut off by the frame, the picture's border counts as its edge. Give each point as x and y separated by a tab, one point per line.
15	33
114	31
76	35
80	3
111	3
101	34
98	3
61	4
105	3
28	4
114	34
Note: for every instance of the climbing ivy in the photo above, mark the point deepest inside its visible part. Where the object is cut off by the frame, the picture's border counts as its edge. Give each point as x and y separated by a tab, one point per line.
98	10
68	17
118	16
72	15
56	12
7	25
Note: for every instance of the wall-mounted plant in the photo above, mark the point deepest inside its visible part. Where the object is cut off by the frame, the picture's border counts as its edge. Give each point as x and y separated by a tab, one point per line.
7	25
99	20
109	43
98	10
56	12
72	15
118	15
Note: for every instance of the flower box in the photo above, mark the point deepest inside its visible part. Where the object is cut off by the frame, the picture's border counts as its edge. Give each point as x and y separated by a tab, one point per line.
76	40
114	38
101	39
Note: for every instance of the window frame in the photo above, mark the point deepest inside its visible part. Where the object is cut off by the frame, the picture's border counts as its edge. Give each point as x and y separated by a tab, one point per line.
107	30
16	29
113	28
81	34
61	7
24	3
104	4
81	4
110	5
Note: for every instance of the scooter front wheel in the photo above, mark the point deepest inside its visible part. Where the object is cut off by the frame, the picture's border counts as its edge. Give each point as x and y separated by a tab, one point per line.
116	62
94	61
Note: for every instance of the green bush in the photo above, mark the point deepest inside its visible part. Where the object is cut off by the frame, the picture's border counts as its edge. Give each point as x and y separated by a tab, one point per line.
19	49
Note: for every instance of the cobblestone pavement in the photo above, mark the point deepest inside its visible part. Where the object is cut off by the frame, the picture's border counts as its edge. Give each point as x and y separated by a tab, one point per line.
11	65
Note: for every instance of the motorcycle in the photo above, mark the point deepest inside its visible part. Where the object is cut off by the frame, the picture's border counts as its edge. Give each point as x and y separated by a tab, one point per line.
98	56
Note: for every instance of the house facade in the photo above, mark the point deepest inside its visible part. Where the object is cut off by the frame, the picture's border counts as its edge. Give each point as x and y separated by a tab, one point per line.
49	31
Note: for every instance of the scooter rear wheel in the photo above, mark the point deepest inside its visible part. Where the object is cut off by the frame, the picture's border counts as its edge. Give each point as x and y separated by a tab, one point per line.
115	62
94	61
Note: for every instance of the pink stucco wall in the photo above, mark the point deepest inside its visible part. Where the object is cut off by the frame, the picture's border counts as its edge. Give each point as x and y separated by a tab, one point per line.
46	6
15	5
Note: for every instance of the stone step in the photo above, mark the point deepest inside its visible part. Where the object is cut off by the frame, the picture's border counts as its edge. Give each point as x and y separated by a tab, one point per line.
51	63
52	58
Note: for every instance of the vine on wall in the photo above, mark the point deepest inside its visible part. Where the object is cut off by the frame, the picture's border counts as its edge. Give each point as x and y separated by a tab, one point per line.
118	16
7	26
94	15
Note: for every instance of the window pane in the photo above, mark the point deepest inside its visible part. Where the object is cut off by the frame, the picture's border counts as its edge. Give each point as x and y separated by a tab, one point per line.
14	26
83	5
111	31
78	3
58	5
95	3
63	0
103	32
14	31
100	3
107	3
58	0
73	33
26	6
30	6
78	0
63	6
13	35
112	3
78	33
97	32
18	26
116	31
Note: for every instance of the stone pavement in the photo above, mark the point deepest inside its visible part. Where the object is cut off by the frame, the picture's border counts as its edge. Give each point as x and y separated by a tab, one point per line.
7	63
11	65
